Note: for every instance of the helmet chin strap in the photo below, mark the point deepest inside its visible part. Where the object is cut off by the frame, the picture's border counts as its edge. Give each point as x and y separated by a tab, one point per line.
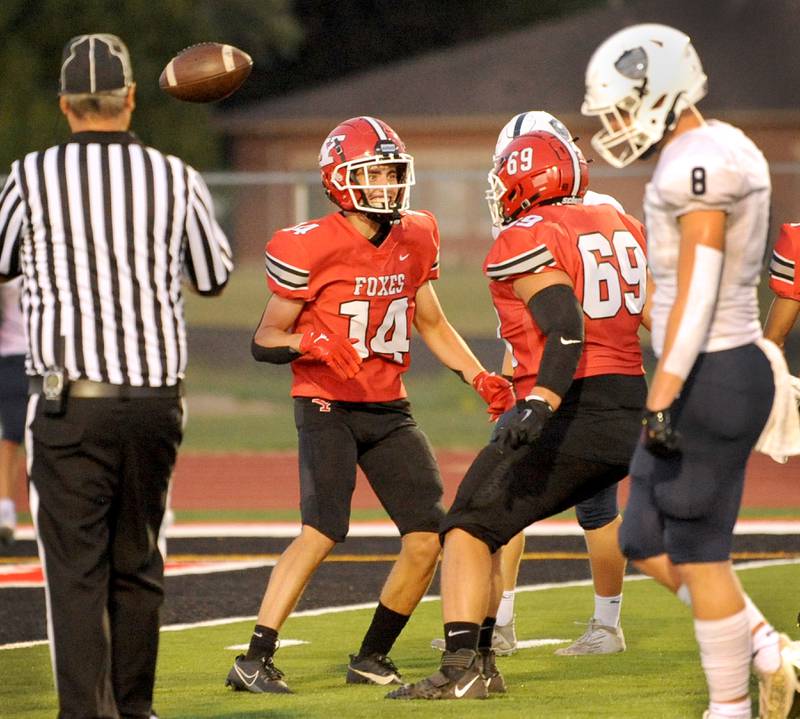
670	121
383	218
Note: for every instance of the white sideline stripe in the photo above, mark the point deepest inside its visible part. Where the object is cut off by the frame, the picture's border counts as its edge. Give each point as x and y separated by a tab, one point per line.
284	643
533	643
371	605
546	528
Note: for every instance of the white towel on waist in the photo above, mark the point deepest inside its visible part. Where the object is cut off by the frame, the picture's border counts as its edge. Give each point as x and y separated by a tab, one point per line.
780	438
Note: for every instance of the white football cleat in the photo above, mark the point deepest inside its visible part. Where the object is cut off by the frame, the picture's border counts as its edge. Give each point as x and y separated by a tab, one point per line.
597	639
778	691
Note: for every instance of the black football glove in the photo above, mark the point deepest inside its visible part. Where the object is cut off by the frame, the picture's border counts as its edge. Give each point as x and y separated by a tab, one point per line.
660	438
525	425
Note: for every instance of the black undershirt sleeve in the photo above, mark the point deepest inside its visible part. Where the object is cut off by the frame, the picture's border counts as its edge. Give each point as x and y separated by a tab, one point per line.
560	317
273	355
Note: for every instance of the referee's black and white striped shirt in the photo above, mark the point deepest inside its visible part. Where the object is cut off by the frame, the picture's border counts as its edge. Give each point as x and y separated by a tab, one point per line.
103	231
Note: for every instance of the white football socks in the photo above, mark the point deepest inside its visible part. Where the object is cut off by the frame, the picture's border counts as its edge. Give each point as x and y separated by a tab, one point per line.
607	609
684	595
731	710
725	656
505	612
766	647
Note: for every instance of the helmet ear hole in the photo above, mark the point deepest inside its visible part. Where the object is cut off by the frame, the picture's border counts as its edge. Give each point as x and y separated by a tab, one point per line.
537	168
347	157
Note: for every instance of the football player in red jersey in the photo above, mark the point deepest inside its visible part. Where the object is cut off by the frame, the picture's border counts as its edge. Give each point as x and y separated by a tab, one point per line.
346	290
784	281
598	515
568	282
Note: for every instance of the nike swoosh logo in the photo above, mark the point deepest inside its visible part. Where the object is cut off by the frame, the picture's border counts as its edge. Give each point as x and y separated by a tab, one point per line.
527	413
404	257
324	337
461	691
451	633
258	634
569	342
376	678
248	679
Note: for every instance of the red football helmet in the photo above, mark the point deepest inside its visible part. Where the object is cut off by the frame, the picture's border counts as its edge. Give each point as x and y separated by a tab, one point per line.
346	156
533	169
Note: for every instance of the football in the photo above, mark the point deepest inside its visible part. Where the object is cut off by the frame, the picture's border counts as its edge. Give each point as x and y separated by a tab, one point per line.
206	72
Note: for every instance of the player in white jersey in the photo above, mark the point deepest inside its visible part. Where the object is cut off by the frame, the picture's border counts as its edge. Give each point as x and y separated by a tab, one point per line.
13	403
707	212
598	516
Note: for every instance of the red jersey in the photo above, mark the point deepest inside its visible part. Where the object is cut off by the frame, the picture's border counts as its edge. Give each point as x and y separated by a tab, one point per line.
353	288
784	280
603	252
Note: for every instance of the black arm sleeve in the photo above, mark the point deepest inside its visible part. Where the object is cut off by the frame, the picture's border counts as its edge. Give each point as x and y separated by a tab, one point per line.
273	355
559	315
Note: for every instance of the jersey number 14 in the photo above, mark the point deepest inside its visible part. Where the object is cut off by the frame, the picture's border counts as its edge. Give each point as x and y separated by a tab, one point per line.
391	337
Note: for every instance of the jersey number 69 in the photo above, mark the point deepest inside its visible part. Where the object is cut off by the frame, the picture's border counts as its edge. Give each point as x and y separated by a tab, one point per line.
602	287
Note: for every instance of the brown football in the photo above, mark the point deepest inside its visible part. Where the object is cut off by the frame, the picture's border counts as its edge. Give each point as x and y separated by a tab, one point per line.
206	72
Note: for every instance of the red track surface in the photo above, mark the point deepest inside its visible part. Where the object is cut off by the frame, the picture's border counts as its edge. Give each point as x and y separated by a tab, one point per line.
269	481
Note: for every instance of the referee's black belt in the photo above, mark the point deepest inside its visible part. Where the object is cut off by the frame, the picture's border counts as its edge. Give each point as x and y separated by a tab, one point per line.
88	389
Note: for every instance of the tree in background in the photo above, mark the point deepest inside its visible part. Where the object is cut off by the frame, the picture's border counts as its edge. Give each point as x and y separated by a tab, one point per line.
34	34
294	44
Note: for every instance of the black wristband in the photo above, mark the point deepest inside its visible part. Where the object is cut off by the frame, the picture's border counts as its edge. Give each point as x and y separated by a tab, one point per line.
273	355
459	374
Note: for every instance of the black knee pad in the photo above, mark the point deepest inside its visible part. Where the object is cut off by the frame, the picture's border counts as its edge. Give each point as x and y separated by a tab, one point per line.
636	542
599	510
641	534
693	542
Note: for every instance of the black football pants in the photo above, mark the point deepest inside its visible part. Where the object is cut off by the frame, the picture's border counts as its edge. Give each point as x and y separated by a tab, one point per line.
99	476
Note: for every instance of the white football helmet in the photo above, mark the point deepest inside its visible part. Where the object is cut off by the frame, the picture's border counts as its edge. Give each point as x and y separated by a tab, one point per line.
638	82
530	121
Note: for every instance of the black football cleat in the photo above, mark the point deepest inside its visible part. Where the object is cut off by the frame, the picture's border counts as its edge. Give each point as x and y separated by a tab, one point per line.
495	684
459	677
372	669
259	676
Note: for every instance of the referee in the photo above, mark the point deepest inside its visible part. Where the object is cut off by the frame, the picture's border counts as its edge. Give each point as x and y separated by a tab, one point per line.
103	230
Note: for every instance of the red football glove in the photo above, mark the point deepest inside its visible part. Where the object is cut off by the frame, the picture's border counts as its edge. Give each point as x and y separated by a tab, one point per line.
496	391
334	350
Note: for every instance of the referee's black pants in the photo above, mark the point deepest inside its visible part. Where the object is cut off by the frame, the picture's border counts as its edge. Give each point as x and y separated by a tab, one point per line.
99	477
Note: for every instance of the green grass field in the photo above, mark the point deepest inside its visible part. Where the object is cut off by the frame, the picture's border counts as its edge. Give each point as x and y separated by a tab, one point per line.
659	677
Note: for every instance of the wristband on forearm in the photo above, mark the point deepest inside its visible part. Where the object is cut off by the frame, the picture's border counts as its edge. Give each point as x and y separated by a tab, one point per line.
273	355
556	311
